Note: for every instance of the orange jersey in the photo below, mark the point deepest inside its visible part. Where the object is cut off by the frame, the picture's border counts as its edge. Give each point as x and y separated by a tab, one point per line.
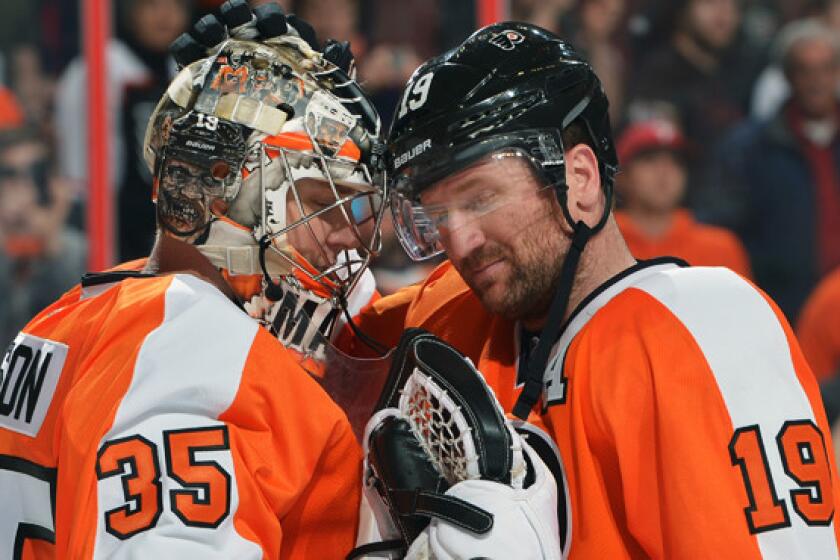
688	422
151	417
305	316
697	244
818	327
383	318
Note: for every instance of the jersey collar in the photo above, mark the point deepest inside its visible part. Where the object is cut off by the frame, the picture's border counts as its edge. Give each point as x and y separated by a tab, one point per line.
587	308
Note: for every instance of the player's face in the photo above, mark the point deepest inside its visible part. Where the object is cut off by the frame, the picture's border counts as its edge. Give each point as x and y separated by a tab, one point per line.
503	233
330	135
332	230
713	23
21	167
814	71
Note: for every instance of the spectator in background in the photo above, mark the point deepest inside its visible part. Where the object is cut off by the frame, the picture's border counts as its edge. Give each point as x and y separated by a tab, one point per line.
818	331
700	79
41	256
401	35
548	14
785	173
651	187
595	25
414	23
383	72
771	88
139	69
334	19
34	88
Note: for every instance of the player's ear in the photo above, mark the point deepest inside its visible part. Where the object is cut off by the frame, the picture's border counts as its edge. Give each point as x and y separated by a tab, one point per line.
584	182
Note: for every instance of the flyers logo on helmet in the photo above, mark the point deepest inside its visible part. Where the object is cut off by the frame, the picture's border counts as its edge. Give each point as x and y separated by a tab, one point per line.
507	39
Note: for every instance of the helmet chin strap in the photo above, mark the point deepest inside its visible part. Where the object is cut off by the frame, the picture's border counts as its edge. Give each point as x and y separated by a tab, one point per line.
581	234
554	324
232	248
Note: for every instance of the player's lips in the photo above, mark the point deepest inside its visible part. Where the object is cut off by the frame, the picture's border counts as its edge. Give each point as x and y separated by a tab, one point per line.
487	272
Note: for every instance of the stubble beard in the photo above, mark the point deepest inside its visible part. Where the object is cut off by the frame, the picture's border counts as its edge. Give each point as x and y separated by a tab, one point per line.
533	270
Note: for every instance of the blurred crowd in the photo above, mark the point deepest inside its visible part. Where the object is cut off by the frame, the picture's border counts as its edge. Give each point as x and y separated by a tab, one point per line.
725	113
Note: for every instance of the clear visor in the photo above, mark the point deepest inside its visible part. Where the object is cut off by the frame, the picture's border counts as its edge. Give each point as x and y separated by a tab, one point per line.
483	190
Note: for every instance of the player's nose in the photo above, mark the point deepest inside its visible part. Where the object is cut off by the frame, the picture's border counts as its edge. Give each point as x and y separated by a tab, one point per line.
461	237
342	237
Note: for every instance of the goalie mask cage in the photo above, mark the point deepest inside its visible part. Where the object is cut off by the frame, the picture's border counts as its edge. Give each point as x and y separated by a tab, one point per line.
96	21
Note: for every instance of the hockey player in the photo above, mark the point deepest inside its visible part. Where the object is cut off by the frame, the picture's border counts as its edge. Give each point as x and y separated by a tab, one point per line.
145	413
515	507
688	421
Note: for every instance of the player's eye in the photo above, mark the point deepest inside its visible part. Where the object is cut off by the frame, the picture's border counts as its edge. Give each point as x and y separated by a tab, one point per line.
482	203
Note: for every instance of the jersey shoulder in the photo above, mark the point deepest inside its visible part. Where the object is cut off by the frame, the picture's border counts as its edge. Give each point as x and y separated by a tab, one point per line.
713	296
696	331
83	290
430	304
441	295
706	314
659	304
137	322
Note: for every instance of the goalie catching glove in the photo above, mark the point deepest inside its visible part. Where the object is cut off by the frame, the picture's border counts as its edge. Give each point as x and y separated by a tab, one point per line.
446	475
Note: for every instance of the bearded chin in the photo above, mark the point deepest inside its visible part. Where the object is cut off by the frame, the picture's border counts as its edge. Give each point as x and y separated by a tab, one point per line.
533	282
530	294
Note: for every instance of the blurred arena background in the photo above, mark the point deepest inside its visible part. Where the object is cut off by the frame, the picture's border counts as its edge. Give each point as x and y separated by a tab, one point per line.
726	114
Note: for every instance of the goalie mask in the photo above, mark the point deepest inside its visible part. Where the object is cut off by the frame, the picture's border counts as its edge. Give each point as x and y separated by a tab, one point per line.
266	158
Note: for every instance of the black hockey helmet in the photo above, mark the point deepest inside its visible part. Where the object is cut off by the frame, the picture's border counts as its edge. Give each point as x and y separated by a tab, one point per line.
510	84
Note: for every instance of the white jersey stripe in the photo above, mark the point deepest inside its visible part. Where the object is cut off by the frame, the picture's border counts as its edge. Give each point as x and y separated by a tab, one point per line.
759	386
187	373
